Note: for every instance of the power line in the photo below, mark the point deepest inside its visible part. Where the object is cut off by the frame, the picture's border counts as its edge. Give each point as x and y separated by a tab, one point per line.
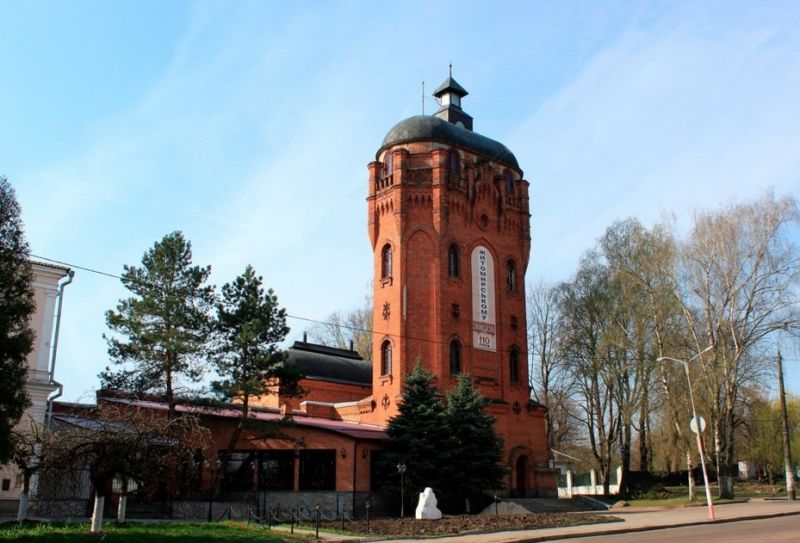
99	272
296	317
346	326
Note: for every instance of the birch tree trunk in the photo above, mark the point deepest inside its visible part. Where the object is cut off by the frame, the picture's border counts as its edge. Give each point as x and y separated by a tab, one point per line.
22	510
97	513
122	506
690	471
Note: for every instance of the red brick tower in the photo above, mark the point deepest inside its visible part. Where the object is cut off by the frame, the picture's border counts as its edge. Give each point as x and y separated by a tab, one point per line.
449	226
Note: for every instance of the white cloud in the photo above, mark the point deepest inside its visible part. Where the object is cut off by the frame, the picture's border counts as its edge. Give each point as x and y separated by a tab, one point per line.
659	122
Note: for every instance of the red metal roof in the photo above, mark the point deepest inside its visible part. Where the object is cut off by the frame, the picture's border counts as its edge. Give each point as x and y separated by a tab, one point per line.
351	429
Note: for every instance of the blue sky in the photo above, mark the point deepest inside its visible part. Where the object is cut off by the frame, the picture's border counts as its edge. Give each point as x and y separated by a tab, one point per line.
249	125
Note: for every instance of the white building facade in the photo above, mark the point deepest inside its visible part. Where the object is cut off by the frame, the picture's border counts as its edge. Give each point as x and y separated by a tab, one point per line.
48	286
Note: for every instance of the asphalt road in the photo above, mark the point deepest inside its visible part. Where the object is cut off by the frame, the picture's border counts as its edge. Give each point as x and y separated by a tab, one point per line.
774	530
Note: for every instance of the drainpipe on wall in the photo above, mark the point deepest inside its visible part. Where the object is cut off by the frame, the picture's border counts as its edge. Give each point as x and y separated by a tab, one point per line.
60	390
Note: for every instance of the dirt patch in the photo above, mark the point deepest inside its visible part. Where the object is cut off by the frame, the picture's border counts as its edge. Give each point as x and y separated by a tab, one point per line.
504	508
463	524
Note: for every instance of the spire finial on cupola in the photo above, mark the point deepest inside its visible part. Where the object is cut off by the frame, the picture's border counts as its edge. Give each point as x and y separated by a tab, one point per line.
449	95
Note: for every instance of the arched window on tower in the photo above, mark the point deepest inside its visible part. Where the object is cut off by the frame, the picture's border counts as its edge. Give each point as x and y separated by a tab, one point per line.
513	365
511	276
386	358
455	357
452	260
386	262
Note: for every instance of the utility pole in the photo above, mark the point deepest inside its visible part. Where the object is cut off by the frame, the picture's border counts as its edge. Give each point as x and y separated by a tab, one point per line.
787	445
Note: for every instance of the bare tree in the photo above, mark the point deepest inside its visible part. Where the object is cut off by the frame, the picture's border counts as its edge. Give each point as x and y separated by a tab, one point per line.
737	280
346	330
620	313
551	382
27	458
642	262
641	296
585	305
122	442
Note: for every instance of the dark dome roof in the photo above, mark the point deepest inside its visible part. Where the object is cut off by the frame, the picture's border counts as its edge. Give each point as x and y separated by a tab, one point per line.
428	127
330	364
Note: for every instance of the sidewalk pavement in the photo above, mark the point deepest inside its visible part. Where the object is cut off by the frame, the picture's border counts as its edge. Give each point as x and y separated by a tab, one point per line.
634	520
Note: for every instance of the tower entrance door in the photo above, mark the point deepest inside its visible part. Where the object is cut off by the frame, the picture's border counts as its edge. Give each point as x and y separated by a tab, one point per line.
520	474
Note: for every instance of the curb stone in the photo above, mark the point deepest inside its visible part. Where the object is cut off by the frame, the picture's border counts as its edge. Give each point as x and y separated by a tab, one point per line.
337	538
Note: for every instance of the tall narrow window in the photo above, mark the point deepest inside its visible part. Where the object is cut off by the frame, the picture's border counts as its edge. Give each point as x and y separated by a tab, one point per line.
511	276
454	158
513	365
386	358
388	163
455	357
509	183
386	261
452	260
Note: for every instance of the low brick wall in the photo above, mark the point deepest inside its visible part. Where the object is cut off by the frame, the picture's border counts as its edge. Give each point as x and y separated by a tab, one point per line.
8	507
60	509
239	506
243	505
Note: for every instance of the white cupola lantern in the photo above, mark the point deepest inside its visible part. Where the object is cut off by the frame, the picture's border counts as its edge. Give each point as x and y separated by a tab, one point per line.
449	95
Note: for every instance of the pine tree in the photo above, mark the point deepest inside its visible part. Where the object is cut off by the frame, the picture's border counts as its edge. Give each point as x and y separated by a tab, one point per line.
419	436
476	465
163	328
16	308
248	329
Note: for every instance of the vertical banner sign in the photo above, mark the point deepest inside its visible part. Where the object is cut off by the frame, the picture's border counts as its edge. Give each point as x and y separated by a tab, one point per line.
484	329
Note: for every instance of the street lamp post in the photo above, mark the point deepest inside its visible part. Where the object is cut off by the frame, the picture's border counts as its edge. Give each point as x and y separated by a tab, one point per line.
401	468
696	420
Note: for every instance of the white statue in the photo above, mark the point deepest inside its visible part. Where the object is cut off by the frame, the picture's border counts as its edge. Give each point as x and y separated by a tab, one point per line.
426	508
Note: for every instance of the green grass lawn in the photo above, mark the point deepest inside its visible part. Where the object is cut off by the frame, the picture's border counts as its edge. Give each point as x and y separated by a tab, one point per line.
167	532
